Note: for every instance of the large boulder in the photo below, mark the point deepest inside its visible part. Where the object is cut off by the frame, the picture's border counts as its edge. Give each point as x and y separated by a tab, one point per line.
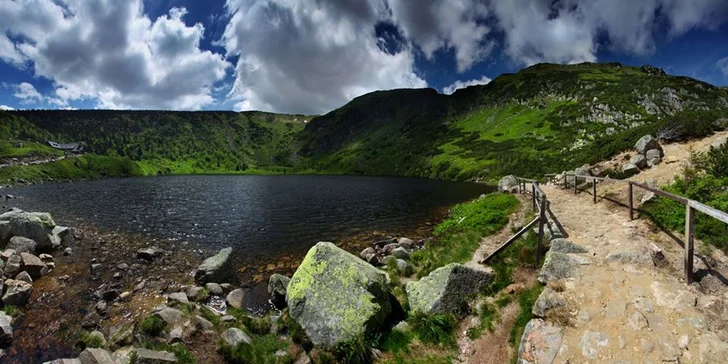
337	297
37	226
22	245
630	169
447	289
557	266
217	268
17	293
540	342
277	286
653	157
646	143
639	161
508	184
584	170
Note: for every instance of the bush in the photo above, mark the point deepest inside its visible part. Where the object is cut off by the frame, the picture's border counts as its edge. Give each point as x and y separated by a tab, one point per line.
356	351
436	329
153	325
90	341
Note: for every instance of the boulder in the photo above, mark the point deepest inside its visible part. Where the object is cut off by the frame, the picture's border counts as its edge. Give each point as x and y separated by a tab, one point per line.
646	143
22	245
447	289
25	277
214	288
630	169
17	293
6	328
121	335
337	297
33	265
404	267
146	356
547	300
37	226
405	242
639	160
124	355
508	184
95	356
217	268
169	315
234	336
149	254
197	293
584	170
400	253
557	266
540	342
653	157
178	297
236	298
277	286
565	246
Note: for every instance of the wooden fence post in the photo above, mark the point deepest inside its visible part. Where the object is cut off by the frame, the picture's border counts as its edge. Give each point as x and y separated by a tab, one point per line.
565	184
594	186
631	202
533	196
689	215
576	183
541	222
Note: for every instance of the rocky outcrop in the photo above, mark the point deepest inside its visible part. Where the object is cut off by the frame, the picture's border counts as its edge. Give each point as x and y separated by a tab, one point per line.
447	289
277	286
37	226
337	297
508	184
217	268
540	343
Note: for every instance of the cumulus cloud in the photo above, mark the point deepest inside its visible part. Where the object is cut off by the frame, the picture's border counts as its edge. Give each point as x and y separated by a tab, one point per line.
27	93
111	52
723	66
6	108
449	90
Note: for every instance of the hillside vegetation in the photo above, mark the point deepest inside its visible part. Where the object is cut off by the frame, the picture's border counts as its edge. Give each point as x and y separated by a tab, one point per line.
542	119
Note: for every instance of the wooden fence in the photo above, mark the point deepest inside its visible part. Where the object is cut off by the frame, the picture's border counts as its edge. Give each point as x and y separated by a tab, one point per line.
690	207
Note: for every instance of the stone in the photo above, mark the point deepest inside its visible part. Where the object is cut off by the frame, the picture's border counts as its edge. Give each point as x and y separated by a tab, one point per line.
202	323
592	344
387	249
234	336
367	253
630	169
124	355
637	321
124	296
95	268
217	268
584	170
146	356
557	266
401	326
121	335
46	258
400	253
404	267
22	245
712	349
67	251
68	361
101	307
236	298
653	157
178	297
214	288
227	287
95	356
630	257
540	342
91	320
17	293
672	297
508	184
6	254
228	318
6	328
646	143
196	293
547	300
149	254
639	160
175	335
98	336
14	265
37	226
565	246
695	322
683	341
25	277
337	297
447	289
169	315
277	287
122	266
405	242
32	264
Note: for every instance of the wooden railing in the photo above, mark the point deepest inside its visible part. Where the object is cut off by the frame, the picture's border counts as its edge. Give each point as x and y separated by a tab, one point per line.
541	204
690	207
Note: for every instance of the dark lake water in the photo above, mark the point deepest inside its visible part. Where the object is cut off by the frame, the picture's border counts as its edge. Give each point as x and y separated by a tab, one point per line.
260	216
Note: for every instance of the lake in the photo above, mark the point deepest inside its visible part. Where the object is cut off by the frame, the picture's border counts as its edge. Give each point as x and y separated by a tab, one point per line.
261	217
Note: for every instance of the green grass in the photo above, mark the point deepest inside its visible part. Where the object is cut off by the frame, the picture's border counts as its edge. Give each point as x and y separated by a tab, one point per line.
436	329
9	149
456	239
84	167
11	310
90	341
526	299
488	315
152	325
261	350
180	351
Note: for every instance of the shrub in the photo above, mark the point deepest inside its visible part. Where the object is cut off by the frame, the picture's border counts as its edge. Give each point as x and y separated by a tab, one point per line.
153	325
90	341
433	328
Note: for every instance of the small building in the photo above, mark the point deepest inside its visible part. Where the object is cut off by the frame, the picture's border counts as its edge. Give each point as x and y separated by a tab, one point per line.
74	147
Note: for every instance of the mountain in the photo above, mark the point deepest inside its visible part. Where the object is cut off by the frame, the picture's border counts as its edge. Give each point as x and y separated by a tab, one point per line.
542	119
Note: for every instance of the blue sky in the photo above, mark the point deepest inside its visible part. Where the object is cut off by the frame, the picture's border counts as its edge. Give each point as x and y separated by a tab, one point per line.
313	56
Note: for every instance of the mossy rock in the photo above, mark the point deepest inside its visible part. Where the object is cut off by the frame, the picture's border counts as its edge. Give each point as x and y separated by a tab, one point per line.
37	226
447	289
337	297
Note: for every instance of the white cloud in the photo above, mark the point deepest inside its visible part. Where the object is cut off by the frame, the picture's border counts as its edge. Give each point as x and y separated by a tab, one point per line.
27	93
310	56
723	66
6	108
449	90
111	52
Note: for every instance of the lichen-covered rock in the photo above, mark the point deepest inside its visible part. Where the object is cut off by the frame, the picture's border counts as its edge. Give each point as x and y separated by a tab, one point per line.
565	246
17	293
22	245
337	297
446	289
557	266
508	184
540	343
547	300
277	286
217	268
646	143
37	226
146	356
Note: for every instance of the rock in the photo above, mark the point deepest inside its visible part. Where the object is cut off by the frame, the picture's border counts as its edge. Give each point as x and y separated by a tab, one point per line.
124	296
405	242
37	226
33	265
196	293
630	169
124	355
121	335
175	335
508	184
646	143
149	254
91	320
683	341
202	323
69	361
6	328
712	349
671	159
557	266
17	293
22	245
637	321
234	336
122	266
25	277
61	233
653	157
101	307
540	343
404	267
387	249
214	288
46	258
178	297
6	254
236	298
67	251
227	318
227	287
400	253
547	300
639	160
277	286
217	268
95	268
367	253
401	326
672	297
565	246
695	322
584	170
95	356
446	289
169	315
337	297
146	356
591	344
98	336
14	265
630	257
110	294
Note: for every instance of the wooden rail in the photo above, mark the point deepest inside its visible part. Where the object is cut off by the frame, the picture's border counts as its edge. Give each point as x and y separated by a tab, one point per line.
690	207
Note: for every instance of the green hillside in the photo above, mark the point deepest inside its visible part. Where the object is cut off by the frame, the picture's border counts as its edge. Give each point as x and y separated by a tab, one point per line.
542	119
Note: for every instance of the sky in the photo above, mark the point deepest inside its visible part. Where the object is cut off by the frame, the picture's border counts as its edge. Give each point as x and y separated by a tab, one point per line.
312	56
